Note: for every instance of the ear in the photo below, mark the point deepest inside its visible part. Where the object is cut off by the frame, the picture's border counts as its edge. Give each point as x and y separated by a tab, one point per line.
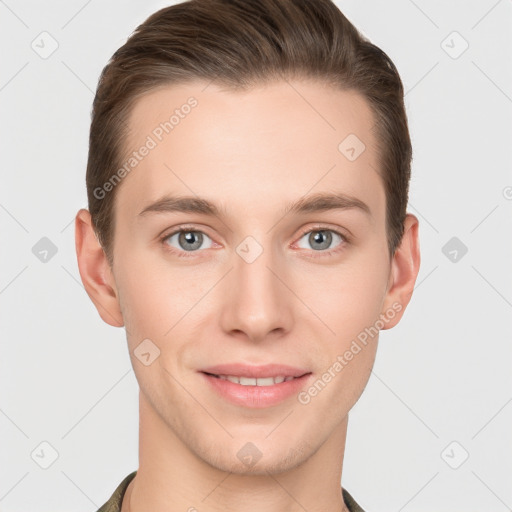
95	271
405	266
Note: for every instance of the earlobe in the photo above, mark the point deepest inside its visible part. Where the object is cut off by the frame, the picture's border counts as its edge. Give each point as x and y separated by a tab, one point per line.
95	271
405	266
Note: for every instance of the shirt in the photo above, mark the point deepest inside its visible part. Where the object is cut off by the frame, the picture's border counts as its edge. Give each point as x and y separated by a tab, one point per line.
115	501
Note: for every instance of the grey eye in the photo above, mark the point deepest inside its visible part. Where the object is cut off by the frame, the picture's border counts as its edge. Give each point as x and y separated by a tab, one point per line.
320	239
188	240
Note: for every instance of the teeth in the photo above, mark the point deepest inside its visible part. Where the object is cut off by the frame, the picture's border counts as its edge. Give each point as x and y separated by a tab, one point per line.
251	381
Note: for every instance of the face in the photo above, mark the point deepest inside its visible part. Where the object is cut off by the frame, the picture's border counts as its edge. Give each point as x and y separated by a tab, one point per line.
278	257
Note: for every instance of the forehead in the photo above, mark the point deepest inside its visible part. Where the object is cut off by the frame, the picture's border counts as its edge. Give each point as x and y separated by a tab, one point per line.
267	144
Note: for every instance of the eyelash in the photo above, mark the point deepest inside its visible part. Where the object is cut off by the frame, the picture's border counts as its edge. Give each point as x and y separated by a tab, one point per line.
189	254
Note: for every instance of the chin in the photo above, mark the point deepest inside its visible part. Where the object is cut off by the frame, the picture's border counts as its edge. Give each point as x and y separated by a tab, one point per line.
255	455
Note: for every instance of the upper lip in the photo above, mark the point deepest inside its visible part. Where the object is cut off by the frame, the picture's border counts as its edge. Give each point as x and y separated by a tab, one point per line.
244	370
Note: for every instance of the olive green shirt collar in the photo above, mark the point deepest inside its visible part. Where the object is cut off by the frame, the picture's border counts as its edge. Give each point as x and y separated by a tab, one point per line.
115	501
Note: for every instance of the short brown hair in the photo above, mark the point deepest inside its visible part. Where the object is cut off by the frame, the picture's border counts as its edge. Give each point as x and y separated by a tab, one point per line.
239	43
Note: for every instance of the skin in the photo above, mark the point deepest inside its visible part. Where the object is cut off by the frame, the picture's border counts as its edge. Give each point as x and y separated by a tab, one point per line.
250	153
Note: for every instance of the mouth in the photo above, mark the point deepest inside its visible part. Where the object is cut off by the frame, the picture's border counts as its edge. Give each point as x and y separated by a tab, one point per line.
256	381
256	386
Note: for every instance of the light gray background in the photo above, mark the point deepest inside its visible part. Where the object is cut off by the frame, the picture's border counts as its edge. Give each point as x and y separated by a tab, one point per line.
443	375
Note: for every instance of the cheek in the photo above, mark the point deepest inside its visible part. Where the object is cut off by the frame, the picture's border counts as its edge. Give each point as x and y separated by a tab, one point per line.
156	295
145	298
347	298
350	305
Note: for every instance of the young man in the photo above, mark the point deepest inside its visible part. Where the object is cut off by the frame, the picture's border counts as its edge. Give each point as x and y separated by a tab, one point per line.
247	181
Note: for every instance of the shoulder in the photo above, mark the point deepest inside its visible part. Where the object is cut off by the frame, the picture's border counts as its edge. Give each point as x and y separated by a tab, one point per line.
351	503
115	501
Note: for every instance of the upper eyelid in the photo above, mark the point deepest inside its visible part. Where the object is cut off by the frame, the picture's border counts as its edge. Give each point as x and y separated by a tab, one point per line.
185	227
323	227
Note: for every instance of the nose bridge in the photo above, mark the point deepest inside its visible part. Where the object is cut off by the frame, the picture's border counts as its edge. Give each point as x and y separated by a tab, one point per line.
256	301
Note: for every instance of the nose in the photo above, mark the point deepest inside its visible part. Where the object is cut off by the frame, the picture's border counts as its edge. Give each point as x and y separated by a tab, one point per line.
256	301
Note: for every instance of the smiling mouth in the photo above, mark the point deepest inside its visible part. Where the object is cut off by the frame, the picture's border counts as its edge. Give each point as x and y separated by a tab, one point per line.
253	381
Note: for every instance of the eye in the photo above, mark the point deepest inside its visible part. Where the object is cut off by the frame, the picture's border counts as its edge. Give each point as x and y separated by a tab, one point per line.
187	240
322	239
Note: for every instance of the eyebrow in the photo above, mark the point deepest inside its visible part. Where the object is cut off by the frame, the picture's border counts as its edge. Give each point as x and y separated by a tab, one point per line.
321	201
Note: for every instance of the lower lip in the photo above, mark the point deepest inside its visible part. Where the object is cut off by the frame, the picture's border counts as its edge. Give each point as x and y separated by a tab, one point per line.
256	396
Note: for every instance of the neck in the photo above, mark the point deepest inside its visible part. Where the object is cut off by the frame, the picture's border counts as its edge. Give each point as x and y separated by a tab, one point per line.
172	477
